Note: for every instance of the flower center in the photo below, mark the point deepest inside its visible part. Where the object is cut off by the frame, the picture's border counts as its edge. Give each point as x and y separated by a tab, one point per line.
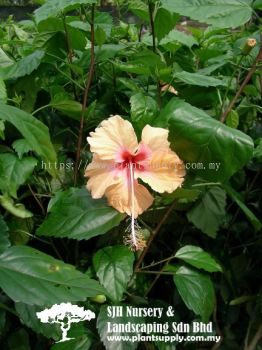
131	163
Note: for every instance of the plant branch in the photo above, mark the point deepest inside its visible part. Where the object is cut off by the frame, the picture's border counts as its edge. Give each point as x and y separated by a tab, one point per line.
241	88
161	272
158	262
37	200
230	82
151	10
153	235
69	53
156	272
86	92
258	335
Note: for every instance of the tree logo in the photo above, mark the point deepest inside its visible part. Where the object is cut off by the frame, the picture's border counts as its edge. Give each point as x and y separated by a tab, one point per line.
65	314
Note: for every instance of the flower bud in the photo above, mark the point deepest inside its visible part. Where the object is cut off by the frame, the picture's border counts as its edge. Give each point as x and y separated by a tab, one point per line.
100	299
250	43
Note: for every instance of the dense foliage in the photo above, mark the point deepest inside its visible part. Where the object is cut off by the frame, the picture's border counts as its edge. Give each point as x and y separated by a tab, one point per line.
187	66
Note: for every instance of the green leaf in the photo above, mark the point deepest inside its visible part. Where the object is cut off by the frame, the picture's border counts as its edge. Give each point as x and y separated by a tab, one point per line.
100	36
219	13
139	8
76	215
3	93
23	67
143	109
257	4
208	213
4	237
16	171
183	195
114	267
196	290
15	209
102	326
175	36
198	79
236	197
33	130
69	108
53	8
27	315
198	138
258	150
164	22
2	130
232	119
21	147
197	257
35	278
4	59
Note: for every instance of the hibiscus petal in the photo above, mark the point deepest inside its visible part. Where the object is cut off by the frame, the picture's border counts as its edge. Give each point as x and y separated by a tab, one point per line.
102	174
155	139
164	172
112	138
118	197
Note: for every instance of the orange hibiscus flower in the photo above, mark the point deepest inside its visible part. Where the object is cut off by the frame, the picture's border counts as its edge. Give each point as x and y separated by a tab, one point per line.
119	161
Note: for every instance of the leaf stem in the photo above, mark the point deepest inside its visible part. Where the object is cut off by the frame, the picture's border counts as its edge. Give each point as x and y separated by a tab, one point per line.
40	108
241	88
156	272
69	54
158	262
86	92
230	81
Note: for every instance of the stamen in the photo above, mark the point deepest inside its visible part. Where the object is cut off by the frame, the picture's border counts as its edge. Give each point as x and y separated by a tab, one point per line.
134	236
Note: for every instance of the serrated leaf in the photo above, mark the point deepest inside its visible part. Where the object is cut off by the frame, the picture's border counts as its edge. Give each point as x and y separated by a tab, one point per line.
16	171
258	150
52	8
164	21
100	36
139	8
114	267
2	130
4	237
232	119
27	315
207	214
219	13
77	215
198	79
21	147
196	290
143	109
23	67
176	36
183	195
3	93
34	131
197	257
198	138
35	278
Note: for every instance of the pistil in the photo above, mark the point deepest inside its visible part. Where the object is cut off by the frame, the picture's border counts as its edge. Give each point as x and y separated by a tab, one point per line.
135	237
